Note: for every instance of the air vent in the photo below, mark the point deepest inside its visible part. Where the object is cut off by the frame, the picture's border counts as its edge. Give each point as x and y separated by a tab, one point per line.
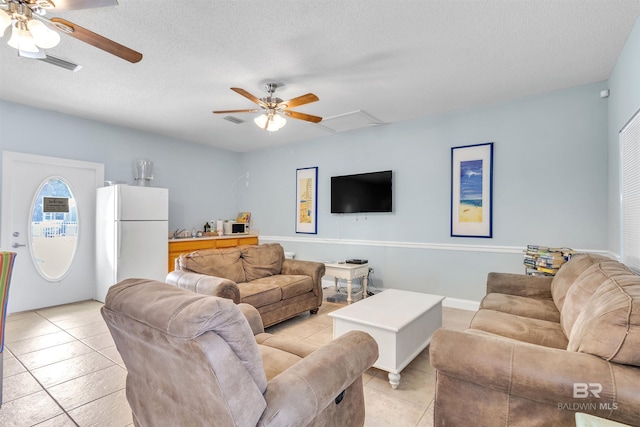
61	63
233	119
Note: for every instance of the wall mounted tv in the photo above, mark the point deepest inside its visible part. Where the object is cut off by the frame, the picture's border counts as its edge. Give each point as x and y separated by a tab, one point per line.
361	193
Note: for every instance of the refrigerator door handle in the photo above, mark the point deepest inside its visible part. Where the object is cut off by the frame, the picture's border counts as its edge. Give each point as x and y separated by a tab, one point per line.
118	240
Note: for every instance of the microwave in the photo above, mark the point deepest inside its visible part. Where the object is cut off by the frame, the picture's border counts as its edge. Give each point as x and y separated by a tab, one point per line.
233	227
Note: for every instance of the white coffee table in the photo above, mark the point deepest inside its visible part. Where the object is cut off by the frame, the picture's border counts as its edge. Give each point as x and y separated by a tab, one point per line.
401	322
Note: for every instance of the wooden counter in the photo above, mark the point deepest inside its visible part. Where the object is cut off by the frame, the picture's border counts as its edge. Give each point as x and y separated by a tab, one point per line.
182	246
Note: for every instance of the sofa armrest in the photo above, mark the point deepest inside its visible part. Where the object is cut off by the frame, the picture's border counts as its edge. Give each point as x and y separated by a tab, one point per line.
253	317
297	395
519	284
537	373
205	285
306	268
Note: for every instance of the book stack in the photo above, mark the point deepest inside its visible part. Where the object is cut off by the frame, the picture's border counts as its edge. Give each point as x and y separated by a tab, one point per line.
544	260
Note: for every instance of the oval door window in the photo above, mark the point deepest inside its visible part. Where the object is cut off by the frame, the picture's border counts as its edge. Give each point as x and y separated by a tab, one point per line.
54	229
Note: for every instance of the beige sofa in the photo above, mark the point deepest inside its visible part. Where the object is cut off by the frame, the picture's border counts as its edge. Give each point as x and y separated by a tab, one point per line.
540	349
258	275
196	360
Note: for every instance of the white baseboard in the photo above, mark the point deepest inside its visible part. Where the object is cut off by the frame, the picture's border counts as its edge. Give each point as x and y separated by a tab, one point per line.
462	304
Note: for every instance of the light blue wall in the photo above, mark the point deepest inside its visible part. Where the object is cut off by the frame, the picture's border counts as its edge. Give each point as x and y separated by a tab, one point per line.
198	177
555	180
550	188
624	102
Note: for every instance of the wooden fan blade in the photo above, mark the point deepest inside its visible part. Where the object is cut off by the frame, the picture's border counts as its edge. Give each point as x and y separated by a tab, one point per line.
87	36
249	96
303	116
300	100
236	111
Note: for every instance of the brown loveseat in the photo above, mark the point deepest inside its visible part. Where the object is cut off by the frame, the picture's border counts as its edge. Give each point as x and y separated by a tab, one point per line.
258	275
196	360
541	349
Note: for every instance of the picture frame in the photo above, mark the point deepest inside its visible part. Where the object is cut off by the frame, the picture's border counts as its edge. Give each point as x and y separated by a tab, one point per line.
307	200
472	190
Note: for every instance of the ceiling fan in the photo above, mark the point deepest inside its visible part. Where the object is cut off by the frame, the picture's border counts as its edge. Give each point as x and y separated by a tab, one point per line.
275	108
32	31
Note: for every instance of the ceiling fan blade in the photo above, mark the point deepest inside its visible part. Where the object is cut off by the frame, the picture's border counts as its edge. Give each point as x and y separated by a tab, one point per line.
302	116
249	96
87	36
236	111
300	100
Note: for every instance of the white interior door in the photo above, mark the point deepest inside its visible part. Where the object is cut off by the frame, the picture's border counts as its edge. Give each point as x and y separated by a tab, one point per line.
41	243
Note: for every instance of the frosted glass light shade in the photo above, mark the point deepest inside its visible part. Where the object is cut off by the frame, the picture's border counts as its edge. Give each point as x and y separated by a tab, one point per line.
43	36
22	39
272	123
5	21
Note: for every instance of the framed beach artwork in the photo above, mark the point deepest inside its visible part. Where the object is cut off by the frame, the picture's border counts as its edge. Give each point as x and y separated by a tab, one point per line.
307	200
472	190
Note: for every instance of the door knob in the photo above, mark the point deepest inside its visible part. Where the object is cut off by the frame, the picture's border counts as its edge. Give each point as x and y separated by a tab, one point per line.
17	245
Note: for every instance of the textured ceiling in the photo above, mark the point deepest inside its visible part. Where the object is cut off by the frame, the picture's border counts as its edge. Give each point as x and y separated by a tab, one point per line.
368	61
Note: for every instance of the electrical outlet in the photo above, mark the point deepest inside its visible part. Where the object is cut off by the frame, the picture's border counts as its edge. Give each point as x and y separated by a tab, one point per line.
246	182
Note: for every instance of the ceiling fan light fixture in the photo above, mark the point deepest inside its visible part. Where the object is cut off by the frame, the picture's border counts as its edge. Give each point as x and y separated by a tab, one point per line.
21	38
271	122
5	21
43	36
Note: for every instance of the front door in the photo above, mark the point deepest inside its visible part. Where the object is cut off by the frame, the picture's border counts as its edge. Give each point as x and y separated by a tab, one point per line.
48	219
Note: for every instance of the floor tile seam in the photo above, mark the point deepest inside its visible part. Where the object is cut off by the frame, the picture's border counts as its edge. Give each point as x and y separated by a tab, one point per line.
66	411
424	413
391	393
4	400
43	388
57	361
81	355
88	373
90	401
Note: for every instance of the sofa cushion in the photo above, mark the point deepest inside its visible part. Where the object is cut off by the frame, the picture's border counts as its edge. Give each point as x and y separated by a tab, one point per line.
583	288
535	331
259	294
215	262
569	272
291	285
535	308
609	324
261	260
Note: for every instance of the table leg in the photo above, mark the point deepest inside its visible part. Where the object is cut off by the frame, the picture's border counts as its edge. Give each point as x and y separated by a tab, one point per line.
349	291
394	380
335	282
365	281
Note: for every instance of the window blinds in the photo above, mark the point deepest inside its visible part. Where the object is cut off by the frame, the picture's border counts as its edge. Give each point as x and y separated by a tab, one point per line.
630	193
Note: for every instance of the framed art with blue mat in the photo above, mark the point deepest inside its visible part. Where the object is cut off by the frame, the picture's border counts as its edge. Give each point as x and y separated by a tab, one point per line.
472	190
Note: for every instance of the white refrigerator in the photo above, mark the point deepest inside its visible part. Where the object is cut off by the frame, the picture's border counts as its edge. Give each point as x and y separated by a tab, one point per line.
131	235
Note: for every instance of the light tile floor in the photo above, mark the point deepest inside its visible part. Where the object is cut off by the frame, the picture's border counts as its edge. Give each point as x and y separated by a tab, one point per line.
61	368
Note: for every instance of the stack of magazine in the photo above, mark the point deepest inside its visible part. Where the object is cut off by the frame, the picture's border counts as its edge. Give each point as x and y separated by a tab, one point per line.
543	260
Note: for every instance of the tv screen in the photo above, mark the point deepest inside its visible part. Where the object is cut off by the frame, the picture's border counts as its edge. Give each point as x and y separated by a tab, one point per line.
364	192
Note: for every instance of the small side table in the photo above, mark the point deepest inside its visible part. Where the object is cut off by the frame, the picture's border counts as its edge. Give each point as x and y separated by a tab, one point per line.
348	272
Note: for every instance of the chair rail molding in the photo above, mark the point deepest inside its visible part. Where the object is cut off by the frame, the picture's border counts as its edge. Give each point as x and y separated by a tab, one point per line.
411	245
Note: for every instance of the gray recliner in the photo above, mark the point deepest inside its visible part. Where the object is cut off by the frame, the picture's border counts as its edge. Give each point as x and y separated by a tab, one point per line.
202	360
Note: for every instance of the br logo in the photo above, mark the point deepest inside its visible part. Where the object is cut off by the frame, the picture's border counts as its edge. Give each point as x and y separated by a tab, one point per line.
582	390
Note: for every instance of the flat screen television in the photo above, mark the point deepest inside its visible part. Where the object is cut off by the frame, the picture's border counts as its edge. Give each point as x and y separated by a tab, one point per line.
364	192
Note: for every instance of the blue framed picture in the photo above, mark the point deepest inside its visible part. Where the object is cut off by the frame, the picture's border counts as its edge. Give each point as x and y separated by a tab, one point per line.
307	200
472	191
